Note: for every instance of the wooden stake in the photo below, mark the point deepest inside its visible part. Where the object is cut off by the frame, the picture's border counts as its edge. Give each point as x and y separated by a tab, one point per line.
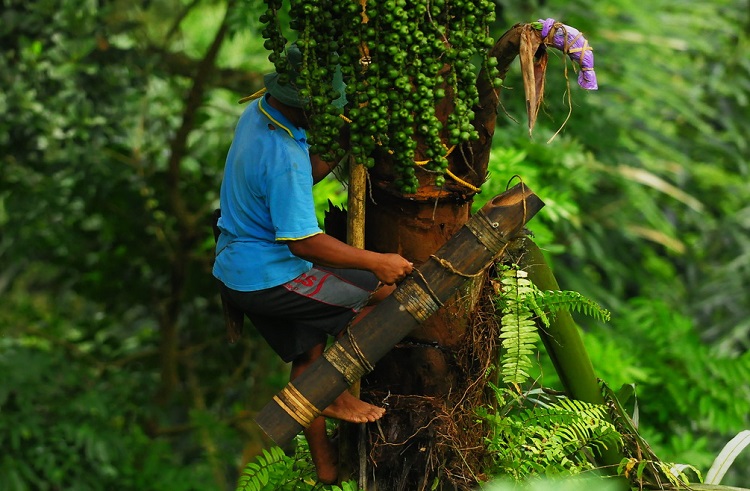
355	237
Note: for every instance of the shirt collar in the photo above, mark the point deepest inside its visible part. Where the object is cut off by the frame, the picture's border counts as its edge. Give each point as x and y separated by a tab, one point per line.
280	120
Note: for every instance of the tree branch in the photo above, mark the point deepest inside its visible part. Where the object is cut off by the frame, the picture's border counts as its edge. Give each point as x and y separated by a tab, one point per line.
170	63
186	220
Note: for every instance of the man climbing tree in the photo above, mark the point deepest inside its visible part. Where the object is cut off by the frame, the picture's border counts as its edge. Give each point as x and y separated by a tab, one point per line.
296	284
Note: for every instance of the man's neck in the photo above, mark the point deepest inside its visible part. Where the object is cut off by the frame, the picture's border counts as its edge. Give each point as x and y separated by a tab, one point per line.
295	115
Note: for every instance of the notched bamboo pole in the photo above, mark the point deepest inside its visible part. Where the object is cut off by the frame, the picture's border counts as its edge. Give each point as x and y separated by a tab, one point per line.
472	249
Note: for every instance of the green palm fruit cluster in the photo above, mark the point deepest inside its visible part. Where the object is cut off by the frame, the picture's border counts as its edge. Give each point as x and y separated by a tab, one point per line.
400	59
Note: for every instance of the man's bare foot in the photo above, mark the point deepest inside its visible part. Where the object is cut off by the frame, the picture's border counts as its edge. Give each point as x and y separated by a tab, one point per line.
346	407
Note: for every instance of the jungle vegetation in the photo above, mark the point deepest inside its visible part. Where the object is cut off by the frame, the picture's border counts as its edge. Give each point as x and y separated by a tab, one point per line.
115	118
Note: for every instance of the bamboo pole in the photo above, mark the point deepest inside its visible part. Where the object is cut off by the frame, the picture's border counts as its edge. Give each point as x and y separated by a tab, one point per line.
355	226
472	249
350	433
563	341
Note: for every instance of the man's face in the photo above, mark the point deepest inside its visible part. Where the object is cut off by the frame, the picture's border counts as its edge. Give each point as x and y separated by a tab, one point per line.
299	118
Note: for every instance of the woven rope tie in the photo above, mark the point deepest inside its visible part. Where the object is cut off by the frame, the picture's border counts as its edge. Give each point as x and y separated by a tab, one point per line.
487	232
420	302
363	361
296	405
433	295
346	364
447	265
582	49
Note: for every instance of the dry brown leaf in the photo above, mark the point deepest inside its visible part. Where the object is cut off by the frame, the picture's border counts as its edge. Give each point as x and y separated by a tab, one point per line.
533	72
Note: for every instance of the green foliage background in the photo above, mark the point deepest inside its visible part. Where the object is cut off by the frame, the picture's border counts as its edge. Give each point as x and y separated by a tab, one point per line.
114	122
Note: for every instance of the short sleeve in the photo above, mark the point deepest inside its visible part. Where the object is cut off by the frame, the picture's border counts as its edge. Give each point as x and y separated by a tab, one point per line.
290	198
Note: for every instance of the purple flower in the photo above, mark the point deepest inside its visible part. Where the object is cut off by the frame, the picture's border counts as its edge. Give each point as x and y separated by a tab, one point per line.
570	41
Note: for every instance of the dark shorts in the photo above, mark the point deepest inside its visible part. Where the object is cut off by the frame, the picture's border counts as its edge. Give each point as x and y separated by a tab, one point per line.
296	316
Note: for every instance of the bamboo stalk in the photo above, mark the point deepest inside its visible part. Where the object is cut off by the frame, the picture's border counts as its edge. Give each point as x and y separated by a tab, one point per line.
355	237
563	341
355	226
355	230
472	249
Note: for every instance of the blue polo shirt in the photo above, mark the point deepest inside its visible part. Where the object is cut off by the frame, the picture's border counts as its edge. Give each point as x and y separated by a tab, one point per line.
266	199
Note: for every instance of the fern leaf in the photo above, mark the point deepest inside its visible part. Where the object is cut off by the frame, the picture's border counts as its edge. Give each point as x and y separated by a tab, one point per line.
518	332
554	301
268	471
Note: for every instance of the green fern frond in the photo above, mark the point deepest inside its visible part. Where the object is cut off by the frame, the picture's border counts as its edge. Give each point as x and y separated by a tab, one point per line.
570	301
574	426
518	333
257	474
559	437
583	409
276	471
521	305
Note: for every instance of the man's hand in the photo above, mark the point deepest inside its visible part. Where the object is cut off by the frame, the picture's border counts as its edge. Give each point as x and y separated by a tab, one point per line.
327	251
392	268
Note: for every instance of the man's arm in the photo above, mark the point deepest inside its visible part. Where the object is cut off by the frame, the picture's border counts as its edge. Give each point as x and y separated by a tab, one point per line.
320	168
327	251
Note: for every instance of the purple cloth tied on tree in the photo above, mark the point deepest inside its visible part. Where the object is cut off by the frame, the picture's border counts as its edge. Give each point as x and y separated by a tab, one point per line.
570	41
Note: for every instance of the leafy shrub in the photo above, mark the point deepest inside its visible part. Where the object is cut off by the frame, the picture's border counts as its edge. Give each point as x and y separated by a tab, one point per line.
276	471
546	434
532	437
67	425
